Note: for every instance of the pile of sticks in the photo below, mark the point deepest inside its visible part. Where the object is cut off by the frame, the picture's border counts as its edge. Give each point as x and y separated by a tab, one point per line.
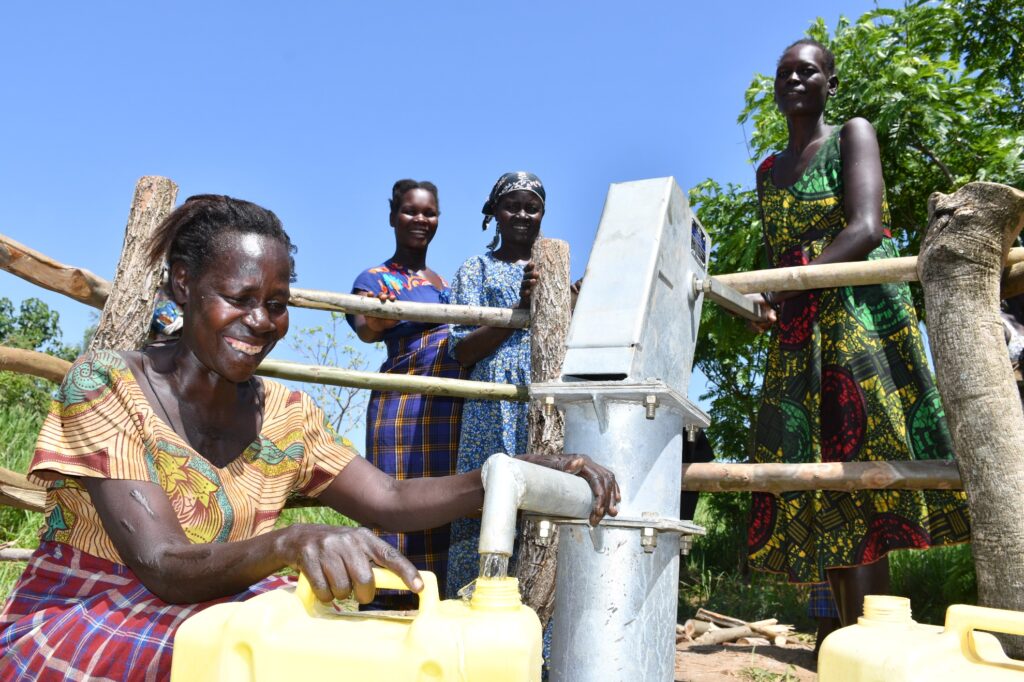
708	627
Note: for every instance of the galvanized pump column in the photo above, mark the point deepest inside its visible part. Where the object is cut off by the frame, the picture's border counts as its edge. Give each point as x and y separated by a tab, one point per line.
623	391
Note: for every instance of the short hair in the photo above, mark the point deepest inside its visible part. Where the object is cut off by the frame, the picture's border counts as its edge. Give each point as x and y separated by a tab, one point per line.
191	232
402	186
830	59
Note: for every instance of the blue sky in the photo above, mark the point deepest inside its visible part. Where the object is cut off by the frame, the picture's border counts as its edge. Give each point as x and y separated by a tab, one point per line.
315	109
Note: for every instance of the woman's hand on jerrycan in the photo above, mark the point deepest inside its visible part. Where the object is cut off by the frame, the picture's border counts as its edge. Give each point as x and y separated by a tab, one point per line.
338	561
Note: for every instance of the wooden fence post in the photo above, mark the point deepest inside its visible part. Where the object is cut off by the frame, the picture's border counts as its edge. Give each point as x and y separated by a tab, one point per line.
124	323
969	234
549	326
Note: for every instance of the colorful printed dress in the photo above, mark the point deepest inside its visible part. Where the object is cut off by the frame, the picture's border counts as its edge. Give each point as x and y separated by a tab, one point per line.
846	380
488	426
409	435
78	613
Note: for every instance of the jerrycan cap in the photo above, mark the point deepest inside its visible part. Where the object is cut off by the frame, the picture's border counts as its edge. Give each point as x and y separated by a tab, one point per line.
880	609
496	594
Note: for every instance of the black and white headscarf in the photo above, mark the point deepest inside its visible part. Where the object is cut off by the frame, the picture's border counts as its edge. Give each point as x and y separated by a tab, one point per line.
510	182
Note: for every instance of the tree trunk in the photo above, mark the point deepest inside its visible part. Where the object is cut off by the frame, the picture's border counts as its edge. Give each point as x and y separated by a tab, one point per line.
124	324
969	234
549	325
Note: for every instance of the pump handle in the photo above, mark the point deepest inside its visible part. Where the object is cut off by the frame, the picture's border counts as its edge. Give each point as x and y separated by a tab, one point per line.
383	579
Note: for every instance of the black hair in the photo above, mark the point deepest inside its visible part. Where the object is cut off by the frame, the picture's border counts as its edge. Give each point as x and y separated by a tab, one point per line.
830	59
402	186
191	232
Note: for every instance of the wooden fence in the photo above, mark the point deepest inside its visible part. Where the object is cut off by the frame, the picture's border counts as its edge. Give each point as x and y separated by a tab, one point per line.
127	304
136	283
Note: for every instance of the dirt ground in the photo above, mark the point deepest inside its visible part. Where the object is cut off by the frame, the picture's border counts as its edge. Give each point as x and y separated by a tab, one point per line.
731	662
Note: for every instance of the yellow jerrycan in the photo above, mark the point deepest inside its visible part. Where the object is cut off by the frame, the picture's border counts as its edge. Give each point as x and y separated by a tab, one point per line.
288	634
887	645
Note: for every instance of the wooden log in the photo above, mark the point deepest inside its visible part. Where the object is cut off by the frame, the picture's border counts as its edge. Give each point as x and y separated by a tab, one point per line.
969	234
33	362
694	628
127	314
550	310
16	491
335	376
754	641
405	310
15	554
768	628
777	478
43	271
725	635
723	620
842	275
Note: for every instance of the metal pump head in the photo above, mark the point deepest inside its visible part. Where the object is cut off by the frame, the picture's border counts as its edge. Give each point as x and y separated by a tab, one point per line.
638	312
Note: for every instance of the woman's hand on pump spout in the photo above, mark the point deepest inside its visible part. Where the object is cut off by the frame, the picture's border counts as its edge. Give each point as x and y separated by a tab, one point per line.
607	495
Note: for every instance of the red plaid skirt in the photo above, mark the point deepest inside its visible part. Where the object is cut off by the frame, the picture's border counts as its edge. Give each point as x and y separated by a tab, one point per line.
73	616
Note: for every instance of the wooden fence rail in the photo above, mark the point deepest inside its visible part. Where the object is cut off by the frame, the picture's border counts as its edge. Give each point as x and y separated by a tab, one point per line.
91	289
53	369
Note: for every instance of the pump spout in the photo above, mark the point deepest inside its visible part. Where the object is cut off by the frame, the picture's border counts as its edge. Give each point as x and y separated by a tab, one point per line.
511	485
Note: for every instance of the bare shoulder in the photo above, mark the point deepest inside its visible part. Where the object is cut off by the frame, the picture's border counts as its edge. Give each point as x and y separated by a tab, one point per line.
857	131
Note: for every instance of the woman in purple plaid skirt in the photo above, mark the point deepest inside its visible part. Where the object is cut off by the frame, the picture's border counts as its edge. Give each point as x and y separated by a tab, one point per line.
410	435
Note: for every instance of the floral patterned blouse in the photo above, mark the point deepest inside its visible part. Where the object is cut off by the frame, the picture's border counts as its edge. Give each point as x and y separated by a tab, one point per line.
101	425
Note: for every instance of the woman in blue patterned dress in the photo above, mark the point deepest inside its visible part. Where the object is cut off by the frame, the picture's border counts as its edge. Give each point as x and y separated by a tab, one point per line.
410	435
501	278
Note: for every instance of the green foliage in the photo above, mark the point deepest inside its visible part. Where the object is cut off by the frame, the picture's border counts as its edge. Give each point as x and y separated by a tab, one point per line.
934	80
755	674
764	595
331	345
731	357
33	326
933	580
19	426
316	515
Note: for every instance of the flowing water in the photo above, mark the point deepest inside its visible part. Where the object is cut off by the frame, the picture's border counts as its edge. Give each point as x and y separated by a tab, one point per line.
493	565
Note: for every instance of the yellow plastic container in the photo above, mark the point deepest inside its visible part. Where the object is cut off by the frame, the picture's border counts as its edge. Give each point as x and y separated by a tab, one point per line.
887	645
287	634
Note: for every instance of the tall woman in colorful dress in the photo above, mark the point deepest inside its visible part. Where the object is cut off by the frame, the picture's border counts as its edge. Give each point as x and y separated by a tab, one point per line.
410	435
500	278
847	378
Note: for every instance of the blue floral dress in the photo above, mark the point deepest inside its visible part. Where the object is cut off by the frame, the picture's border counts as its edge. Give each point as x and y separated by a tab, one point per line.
488	426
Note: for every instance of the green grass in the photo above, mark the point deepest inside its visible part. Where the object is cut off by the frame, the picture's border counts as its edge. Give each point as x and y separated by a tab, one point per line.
934	579
18	430
755	674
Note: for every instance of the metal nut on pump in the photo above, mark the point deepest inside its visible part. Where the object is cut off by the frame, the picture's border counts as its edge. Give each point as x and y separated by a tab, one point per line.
685	544
549	406
649	539
651	402
544	528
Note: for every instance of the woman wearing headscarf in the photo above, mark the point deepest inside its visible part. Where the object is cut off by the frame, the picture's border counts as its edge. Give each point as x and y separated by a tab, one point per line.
500	278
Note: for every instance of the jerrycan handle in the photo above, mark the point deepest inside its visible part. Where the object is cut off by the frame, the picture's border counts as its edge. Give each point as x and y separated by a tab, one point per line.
383	579
963	618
